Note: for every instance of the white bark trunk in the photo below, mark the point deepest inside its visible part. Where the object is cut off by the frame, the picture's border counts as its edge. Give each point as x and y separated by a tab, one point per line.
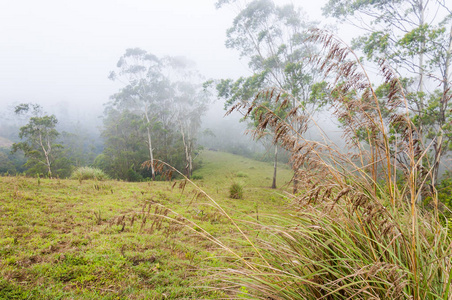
151	152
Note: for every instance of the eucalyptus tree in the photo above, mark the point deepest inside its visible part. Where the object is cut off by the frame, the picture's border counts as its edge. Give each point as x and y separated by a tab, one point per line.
165	93
415	37
190	103
39	136
273	40
146	91
125	145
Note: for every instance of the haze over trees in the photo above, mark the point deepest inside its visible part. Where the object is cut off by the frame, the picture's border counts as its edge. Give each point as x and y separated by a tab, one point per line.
40	135
367	219
273	41
157	112
415	38
161	105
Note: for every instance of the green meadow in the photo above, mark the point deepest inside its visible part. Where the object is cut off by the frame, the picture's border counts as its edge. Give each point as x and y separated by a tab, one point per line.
71	239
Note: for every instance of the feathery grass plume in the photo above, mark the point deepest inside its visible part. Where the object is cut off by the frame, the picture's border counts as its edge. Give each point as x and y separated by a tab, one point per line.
358	232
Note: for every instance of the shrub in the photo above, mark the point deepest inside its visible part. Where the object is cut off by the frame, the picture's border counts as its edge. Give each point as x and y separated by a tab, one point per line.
241	174
134	176
84	173
236	191
445	189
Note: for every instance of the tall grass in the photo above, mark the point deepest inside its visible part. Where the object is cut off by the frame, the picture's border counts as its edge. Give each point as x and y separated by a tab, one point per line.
85	173
236	190
358	232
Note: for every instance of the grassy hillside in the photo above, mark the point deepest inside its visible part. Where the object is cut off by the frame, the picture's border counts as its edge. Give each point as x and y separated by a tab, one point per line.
65	239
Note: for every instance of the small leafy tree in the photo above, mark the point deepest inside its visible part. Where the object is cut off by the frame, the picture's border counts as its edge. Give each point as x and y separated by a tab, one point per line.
39	134
273	39
415	37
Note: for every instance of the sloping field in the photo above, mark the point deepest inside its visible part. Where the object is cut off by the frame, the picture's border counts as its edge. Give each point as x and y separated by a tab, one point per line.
65	239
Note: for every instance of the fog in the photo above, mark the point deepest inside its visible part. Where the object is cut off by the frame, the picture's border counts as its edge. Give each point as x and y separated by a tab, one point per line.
59	54
62	51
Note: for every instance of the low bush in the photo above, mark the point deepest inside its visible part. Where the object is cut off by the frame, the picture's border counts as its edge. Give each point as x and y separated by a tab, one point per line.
236	191
241	174
84	173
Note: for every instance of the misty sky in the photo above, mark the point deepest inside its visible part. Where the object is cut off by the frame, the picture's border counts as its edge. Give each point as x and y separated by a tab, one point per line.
61	51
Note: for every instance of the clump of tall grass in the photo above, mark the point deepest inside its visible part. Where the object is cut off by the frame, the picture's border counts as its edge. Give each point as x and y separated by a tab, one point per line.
85	173
241	174
358	232
236	190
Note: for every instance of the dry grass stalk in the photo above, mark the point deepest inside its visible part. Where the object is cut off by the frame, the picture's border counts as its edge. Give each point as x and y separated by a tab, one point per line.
359	234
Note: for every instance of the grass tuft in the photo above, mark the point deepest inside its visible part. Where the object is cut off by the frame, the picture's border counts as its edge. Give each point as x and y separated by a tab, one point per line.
236	191
86	173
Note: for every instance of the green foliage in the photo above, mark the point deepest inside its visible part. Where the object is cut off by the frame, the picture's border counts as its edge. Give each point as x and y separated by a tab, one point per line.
80	148
275	53
11	163
68	239
274	40
124	144
40	135
86	173
154	116
357	231
241	174
236	190
418	45
133	176
445	189
12	291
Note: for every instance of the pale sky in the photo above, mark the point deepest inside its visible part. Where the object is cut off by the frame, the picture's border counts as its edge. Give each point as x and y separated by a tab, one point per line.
61	51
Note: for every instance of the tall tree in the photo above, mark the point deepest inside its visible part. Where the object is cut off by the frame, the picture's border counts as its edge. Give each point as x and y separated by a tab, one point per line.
40	135
164	92
272	38
190	104
415	36
125	145
146	90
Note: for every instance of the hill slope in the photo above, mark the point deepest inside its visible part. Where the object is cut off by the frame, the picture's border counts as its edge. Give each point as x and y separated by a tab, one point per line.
65	239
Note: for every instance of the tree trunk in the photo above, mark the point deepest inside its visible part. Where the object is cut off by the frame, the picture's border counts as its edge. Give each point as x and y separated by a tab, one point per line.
151	152
187	153
275	167
46	154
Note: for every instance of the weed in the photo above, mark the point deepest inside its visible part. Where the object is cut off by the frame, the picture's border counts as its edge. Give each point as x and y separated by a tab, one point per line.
86	173
241	174
236	191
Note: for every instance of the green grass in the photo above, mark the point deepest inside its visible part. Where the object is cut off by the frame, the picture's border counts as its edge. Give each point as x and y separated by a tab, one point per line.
84	173
70	239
